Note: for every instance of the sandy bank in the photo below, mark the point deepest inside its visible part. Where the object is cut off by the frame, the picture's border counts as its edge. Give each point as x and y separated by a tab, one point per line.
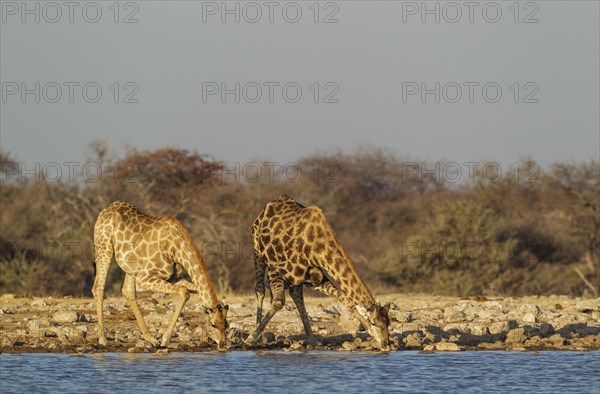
418	322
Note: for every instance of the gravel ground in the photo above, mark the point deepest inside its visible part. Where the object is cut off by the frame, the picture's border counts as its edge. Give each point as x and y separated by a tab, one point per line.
418	322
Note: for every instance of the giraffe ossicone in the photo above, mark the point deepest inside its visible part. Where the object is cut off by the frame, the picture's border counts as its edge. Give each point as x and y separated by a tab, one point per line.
153	251
294	246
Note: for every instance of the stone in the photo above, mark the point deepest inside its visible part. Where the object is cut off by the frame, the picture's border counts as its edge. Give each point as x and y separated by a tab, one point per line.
477	329
401	317
493	305
447	347
546	329
491	346
413	340
451	315
65	317
268	337
529	318
584	331
500	327
347	345
87	318
516	335
295	345
39	303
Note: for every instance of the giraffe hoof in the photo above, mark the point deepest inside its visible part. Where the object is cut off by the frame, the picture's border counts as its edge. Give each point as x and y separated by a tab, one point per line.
102	341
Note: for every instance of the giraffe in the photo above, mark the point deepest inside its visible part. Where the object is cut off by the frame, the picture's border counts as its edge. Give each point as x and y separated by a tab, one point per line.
295	246
153	252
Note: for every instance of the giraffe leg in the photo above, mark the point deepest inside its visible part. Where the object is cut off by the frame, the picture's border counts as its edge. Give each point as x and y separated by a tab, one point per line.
259	271
297	295
188	285
277	287
154	283
329	289
130	295
104	253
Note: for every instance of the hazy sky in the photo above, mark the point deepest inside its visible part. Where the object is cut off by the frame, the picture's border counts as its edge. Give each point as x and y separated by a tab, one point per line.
375	62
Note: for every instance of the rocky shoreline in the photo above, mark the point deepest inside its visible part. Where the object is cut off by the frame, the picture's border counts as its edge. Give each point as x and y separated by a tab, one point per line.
418	322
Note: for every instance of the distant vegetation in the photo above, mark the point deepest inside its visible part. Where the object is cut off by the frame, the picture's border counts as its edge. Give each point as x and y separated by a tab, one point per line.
407	226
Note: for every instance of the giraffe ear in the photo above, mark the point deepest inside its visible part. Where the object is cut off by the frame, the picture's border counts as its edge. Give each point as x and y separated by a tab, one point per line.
225	309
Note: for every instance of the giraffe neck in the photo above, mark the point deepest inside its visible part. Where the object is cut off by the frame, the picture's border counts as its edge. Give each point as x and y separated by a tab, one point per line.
351	283
189	257
341	269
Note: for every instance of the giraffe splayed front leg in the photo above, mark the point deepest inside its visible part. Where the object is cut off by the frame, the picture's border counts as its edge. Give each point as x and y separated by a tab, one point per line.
277	289
297	295
129	292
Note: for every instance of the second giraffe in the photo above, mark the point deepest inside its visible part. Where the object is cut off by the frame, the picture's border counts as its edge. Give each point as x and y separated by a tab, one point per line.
295	246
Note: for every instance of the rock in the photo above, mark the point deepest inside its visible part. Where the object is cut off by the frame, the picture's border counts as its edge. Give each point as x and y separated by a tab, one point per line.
477	329
546	329
348	345
451	315
491	346
65	317
490	314
401	317
529	318
516	335
413	340
493	305
34	328
184	337
161	352
447	347
456	328
39	303
501	327
295	345
268	337
532	309
557	340
428	348
585	331
88	318
430	314
8	296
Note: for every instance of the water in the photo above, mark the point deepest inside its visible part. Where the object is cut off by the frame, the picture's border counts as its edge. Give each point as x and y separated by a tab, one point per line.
318	372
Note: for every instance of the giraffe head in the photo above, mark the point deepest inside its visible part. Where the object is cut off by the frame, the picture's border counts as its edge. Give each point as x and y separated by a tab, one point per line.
379	321
218	326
